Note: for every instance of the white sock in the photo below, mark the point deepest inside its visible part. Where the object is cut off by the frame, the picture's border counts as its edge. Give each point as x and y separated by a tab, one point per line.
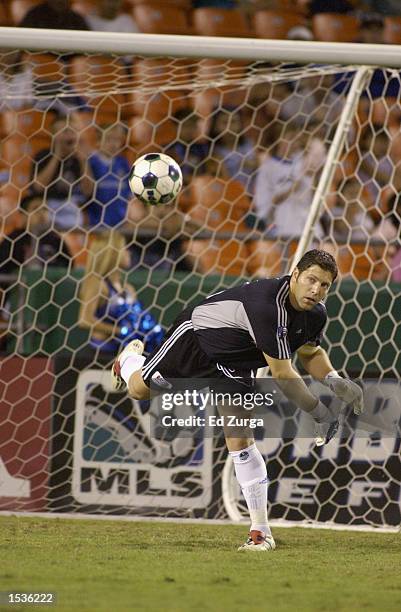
131	364
251	473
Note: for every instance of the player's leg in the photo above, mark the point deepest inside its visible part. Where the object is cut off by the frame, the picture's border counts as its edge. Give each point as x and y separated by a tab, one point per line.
250	470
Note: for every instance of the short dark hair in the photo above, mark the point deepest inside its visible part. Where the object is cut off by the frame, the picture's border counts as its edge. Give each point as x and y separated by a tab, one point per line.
318	257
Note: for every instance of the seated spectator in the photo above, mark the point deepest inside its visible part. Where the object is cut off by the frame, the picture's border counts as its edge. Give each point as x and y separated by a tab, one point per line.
16	82
34	244
61	175
376	168
329	6
110	170
159	232
53	14
300	32
371	29
313	99
109	306
384	7
189	150
388	229
225	4
284	183
230	147
350	219
107	17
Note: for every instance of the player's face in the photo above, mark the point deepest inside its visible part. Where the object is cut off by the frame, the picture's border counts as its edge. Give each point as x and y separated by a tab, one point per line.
309	287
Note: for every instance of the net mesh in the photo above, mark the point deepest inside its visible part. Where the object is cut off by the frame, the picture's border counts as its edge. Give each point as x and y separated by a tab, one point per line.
252	140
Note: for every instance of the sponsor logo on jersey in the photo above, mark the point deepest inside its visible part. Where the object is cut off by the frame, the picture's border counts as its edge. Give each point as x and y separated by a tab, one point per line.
158	379
244	455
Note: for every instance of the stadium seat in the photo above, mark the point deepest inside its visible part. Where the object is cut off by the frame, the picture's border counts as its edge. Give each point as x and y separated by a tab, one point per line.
91	78
359	261
17	155
84	7
5	18
159	75
220	22
183	4
19	8
220	206
264	258
28	122
275	24
45	66
146	137
161	19
335	27
392	30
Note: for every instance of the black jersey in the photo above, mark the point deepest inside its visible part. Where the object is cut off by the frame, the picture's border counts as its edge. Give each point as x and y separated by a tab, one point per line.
236	326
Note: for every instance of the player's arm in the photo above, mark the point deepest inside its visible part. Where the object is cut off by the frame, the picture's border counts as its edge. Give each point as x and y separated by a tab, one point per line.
294	388
317	363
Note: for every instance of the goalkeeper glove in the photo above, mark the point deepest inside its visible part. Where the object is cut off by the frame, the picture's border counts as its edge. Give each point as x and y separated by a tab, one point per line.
326	423
345	390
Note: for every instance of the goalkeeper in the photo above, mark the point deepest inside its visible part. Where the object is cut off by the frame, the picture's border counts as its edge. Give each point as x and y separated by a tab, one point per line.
231	334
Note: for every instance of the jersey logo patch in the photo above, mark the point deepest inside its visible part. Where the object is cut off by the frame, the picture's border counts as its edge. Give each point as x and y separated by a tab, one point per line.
282	332
158	379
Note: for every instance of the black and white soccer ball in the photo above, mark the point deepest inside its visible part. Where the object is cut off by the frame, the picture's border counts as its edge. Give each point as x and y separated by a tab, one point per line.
155	178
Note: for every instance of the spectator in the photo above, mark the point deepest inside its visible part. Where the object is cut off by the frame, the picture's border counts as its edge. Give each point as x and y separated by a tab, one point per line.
189	150
392	229
34	244
110	170
159	235
376	168
53	14
350	219
371	29
106	16
329	6
284	183
61	175
224	4
313	99
384	7
300	32
109	307
16	82
232	149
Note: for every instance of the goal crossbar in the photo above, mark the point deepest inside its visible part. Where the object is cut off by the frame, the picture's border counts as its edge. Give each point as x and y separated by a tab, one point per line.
201	46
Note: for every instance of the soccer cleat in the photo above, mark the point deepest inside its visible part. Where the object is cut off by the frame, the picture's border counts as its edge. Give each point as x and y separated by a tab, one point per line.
258	542
135	347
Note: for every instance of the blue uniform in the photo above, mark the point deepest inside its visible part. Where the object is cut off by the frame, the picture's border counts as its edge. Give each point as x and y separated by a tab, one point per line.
112	191
133	321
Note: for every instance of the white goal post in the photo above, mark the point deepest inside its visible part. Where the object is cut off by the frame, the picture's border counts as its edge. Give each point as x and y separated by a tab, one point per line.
70	445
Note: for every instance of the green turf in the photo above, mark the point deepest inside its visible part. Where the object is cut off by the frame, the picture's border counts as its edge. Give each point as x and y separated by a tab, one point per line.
105	565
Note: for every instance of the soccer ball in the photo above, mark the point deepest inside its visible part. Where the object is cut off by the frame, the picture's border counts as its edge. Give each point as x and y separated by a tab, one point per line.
155	178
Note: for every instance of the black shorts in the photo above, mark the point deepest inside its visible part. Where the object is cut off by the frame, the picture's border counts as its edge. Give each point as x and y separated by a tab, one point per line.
179	362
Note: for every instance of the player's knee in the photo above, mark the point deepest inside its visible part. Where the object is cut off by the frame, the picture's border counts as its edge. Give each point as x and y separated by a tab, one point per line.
137	388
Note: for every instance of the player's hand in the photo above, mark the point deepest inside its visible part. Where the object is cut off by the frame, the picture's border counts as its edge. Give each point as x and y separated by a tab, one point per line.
347	391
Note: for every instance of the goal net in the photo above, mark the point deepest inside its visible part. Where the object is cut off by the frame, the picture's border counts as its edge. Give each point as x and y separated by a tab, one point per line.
276	157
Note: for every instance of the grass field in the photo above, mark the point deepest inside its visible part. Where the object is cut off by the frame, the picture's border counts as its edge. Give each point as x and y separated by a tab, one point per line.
105	565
